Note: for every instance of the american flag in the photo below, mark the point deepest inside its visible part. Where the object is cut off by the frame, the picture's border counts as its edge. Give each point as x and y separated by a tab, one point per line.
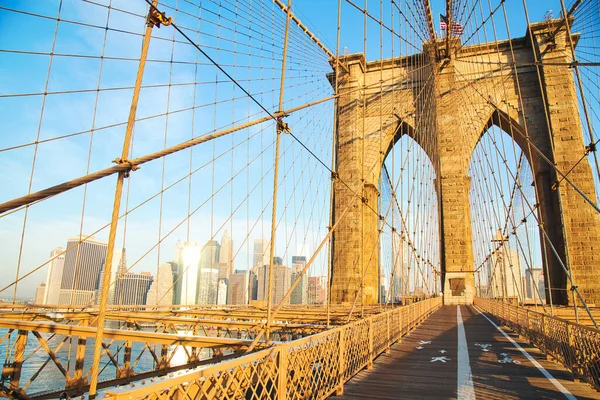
457	29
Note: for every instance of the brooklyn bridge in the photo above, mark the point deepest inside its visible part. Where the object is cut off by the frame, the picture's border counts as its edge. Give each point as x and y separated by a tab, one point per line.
294	199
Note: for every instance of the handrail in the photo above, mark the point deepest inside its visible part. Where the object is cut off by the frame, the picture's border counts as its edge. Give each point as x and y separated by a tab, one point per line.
576	346
312	367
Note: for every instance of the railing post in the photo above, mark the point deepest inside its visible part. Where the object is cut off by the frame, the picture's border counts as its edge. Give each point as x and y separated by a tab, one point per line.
370	362
282	369
78	379
400	327
342	364
126	370
389	339
545	337
164	359
17	364
571	356
570	348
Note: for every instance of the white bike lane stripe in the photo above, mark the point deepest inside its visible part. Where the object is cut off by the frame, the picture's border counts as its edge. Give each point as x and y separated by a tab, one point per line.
464	378
547	374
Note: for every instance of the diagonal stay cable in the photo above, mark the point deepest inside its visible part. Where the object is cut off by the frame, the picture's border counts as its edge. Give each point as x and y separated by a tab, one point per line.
235	82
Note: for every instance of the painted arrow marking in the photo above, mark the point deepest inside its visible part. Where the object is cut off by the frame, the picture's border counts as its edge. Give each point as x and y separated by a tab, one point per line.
442	351
442	359
419	347
425	342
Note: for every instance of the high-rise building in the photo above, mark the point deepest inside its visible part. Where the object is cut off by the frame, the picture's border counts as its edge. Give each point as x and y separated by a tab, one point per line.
534	278
224	264
187	259
132	289
506	276
226	255
261	253
238	287
161	289
176	281
222	287
300	292
54	276
398	279
208	279
114	273
39	294
299	260
82	268
253	284
282	276
122	269
383	294
317	289
208	273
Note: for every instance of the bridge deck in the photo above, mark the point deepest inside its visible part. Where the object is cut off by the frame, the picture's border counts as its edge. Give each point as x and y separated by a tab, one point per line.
431	361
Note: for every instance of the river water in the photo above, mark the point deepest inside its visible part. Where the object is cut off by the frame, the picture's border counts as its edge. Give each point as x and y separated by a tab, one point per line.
50	379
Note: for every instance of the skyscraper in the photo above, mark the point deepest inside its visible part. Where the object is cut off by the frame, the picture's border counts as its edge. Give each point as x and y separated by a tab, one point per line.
54	276
39	294
161	289
238	285
114	273
300	292
261	253
187	258
122	269
225	262
226	256
132	289
222	292
208	273
534	284
253	285
506	275
398	281
81	271
282	276
299	260
317	289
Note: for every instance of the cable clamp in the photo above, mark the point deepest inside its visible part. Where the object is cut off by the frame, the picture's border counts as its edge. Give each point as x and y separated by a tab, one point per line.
282	126
156	18
334	176
381	218
590	148
132	166
573	288
555	185
364	200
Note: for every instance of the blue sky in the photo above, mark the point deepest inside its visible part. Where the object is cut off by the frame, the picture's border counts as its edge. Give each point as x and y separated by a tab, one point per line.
304	194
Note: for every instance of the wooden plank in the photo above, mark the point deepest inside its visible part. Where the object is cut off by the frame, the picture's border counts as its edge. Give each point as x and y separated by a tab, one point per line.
408	372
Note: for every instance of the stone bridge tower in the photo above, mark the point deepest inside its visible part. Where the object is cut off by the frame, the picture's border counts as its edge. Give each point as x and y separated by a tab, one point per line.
538	108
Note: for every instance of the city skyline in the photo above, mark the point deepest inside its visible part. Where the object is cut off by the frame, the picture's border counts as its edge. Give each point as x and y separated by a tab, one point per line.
209	280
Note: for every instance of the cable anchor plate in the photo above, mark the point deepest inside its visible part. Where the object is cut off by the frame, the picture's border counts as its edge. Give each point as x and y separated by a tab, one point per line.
156	18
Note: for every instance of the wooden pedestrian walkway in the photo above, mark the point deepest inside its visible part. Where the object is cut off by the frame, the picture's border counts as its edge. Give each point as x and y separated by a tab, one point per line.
457	353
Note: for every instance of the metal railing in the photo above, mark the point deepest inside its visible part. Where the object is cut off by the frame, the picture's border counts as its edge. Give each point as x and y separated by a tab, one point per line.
576	346
47	349
313	367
